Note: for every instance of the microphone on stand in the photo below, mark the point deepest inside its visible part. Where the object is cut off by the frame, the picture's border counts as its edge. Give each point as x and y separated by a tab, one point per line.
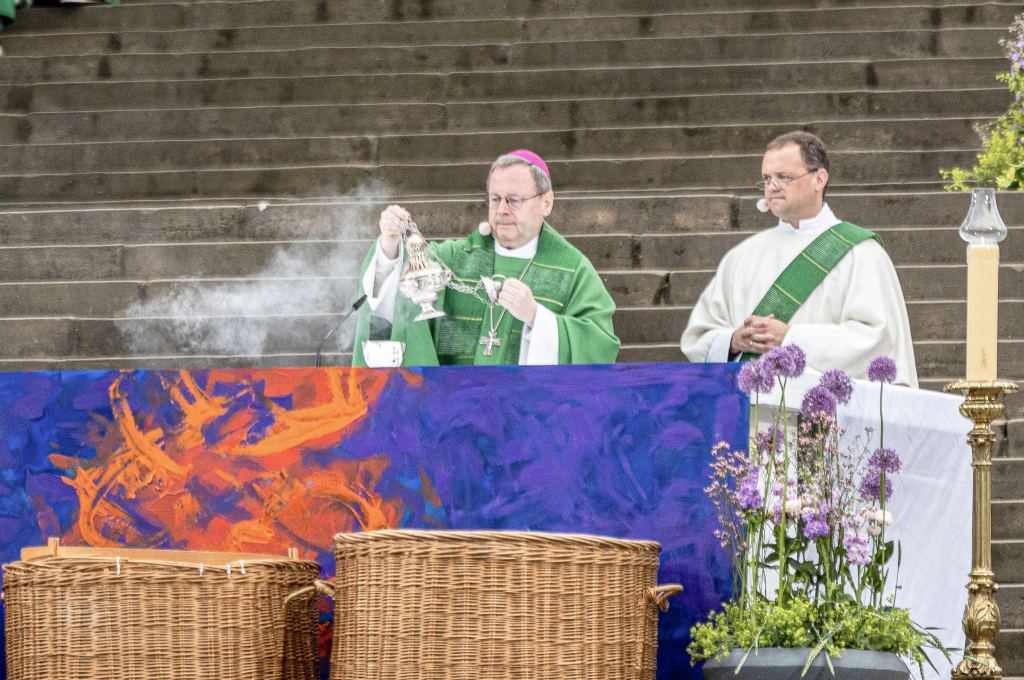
355	306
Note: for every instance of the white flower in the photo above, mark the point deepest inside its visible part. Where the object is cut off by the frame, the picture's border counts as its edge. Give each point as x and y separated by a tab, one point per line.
793	506
874	530
888	517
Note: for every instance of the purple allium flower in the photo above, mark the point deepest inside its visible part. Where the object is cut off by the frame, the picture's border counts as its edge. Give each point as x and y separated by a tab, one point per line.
857	549
871	485
839	384
754	377
885	460
768	441
818	400
786	362
816	529
882	369
748	496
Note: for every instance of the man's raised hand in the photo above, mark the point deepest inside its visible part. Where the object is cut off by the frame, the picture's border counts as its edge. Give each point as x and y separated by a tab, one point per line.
393	222
517	298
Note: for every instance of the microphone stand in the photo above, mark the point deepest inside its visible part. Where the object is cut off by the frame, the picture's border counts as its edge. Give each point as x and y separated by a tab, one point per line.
355	306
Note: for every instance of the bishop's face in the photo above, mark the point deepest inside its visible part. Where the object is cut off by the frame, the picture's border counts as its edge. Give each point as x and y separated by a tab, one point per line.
515	227
801	197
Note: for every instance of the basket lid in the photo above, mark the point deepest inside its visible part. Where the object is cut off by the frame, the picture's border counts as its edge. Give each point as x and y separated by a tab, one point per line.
525	539
209	558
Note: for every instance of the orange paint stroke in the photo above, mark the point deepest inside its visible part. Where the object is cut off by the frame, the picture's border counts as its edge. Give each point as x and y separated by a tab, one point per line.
427	489
142	444
197	412
298	427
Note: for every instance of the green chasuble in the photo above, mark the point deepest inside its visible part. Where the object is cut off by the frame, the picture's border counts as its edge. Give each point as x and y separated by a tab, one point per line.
799	279
561	278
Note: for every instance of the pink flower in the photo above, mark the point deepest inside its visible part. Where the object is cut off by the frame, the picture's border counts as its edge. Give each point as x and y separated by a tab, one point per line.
857	549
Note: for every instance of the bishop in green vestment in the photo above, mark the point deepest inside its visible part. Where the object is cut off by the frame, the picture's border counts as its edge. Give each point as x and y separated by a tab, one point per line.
552	308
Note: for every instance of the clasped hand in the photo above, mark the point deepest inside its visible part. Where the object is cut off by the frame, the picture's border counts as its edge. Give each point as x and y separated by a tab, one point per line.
758	335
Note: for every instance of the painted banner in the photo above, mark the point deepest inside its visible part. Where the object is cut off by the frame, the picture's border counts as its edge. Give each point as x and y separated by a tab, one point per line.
264	460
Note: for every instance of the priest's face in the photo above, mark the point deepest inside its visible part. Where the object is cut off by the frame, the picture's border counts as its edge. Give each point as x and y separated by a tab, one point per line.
515	227
799	193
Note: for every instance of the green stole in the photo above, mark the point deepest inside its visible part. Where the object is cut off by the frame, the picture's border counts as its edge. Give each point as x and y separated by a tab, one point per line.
807	270
455	337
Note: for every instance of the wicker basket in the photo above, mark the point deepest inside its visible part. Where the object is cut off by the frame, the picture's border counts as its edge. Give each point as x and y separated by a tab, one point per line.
87	613
479	605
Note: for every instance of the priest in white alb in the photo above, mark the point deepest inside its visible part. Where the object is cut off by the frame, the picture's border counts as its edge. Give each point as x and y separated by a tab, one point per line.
813	280
549	306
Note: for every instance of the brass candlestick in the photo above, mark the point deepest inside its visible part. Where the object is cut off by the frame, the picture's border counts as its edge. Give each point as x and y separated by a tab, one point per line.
981	617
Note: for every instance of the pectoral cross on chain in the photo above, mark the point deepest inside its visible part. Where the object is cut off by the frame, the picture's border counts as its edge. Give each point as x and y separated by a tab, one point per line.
492	340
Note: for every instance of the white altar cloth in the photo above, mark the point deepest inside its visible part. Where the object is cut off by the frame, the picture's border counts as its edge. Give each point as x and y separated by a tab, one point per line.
931	502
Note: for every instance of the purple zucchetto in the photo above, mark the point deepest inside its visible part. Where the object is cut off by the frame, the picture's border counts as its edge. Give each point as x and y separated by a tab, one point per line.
531	158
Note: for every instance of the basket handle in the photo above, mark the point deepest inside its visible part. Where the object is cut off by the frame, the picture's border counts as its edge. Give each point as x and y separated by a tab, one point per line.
318	588
658	596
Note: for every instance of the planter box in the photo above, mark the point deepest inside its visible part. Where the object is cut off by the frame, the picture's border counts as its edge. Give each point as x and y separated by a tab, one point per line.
777	663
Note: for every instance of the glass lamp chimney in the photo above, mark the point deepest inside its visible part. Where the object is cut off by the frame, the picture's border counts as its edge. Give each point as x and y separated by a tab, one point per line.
983	225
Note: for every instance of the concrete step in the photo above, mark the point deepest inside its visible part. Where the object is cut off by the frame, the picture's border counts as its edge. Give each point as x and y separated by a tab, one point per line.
111	298
171	362
505	86
873	170
641	17
920	283
100	296
322	120
1008	481
944	360
306	60
274	330
1010	599
858	136
1010	652
1008	520
21	41
1007	563
936	215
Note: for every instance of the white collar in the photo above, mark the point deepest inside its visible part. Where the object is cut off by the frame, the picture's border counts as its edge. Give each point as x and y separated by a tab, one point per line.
825	219
523	252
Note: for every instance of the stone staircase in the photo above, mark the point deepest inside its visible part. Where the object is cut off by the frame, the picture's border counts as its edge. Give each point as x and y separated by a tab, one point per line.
190	184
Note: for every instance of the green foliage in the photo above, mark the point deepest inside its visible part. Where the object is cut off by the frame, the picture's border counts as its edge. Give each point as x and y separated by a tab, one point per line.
1001	162
800	623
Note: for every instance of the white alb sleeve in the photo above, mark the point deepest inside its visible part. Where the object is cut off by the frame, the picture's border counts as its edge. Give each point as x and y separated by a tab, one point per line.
539	346
380	283
718	351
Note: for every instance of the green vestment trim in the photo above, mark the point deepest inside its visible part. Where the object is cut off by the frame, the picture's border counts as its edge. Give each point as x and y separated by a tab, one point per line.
799	279
561	278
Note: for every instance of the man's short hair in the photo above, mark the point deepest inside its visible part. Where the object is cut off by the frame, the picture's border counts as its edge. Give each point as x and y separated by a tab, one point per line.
541	183
812	150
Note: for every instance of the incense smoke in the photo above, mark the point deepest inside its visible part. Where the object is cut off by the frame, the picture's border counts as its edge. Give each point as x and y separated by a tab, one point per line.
276	315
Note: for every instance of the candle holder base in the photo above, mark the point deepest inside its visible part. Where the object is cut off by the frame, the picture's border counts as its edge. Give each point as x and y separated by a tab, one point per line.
981	620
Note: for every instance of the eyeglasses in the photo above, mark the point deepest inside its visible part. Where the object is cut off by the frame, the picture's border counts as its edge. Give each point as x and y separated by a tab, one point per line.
514	202
782	182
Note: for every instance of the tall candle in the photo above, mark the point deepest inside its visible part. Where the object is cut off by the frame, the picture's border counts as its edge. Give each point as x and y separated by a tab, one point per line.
982	310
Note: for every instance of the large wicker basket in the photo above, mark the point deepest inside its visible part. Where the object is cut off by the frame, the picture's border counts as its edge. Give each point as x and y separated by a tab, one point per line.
94	614
480	605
